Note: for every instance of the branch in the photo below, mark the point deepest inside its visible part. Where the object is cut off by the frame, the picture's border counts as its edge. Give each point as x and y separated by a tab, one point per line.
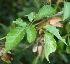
57	14
2	38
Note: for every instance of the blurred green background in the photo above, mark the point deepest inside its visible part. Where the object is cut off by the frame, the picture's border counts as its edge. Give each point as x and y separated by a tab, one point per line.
9	11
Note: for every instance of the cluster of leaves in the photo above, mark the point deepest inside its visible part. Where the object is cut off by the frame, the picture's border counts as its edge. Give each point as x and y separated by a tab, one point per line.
47	30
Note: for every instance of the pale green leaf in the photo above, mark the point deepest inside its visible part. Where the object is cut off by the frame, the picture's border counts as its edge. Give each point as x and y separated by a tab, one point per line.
66	10
50	44
20	22
13	38
46	10
31	16
31	33
54	31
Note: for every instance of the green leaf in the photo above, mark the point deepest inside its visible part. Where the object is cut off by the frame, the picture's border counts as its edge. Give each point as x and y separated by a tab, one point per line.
68	49
46	10
35	60
31	33
64	58
31	16
50	44
20	22
60	45
66	10
13	38
55	32
68	42
68	27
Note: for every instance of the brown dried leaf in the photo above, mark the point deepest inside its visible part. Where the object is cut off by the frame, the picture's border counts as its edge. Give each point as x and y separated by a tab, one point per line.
40	49
55	21
35	48
48	1
59	1
27	46
2	50
7	57
40	31
40	39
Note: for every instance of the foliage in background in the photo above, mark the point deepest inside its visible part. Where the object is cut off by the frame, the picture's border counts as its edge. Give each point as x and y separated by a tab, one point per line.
43	29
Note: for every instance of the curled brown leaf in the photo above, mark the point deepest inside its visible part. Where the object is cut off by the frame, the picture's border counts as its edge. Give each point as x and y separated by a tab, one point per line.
35	48
40	49
7	57
48	1
55	21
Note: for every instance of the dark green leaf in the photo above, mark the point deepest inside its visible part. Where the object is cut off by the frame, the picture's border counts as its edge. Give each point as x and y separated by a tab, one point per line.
64	57
31	33
50	44
13	38
60	46
68	49
54	31
68	27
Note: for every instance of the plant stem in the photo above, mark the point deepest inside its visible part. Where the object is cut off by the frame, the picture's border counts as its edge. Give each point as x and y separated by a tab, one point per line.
2	38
